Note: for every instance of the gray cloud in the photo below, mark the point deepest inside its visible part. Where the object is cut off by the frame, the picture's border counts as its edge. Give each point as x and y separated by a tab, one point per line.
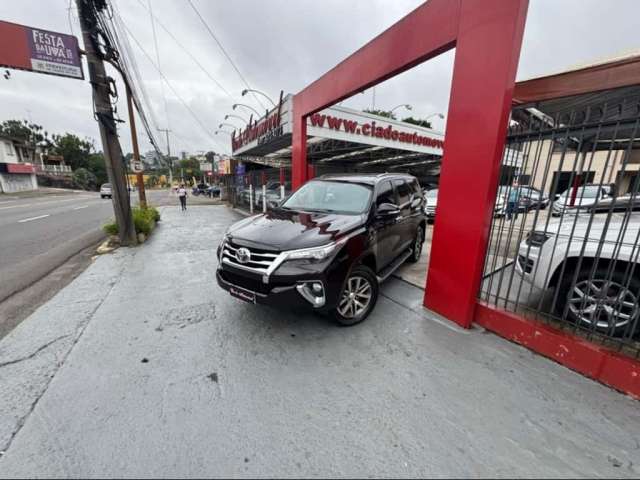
284	44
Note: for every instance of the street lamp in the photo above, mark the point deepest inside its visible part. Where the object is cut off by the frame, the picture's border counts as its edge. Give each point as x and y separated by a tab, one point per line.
405	105
247	90
228	125
247	106
223	131
441	116
236	116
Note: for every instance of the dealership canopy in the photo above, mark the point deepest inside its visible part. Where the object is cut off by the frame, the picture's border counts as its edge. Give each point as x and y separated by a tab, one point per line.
340	135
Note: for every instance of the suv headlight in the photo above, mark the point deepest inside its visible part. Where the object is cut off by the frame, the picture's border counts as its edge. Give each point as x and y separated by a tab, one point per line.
315	253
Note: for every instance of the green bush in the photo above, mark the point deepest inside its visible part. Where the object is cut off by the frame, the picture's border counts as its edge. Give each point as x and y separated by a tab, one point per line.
143	220
110	228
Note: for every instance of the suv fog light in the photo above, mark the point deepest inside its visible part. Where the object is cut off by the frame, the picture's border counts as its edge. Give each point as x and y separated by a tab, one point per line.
312	292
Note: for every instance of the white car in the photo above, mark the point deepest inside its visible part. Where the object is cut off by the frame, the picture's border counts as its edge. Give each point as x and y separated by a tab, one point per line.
585	196
606	293
105	190
431	203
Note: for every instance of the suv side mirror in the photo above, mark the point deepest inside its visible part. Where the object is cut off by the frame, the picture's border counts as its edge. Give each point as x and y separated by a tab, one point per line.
387	210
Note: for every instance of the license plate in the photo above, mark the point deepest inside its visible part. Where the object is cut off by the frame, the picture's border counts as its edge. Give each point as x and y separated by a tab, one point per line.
242	294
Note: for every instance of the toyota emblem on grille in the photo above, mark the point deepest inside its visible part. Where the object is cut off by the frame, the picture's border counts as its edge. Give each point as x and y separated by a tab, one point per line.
243	255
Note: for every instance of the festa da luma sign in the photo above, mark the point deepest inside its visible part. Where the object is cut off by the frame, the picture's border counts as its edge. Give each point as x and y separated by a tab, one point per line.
37	50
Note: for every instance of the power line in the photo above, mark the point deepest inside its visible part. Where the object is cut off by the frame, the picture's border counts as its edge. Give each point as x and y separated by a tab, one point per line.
186	50
119	55
195	117
224	52
128	65
155	43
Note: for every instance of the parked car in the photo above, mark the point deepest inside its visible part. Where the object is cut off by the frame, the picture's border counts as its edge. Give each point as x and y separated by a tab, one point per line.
272	192
105	190
529	198
328	246
200	189
586	196
213	191
600	253
431	203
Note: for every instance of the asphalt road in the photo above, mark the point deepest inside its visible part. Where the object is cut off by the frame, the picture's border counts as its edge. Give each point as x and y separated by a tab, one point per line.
144	367
40	232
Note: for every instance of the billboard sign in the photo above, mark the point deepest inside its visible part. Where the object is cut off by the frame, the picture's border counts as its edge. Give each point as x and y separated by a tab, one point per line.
37	50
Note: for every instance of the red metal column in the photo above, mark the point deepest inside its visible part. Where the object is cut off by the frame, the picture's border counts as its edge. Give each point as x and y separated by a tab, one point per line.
299	167
486	61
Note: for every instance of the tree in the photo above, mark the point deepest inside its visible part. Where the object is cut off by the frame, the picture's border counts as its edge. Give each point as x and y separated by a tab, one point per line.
96	165
76	152
26	132
84	179
417	121
380	113
189	167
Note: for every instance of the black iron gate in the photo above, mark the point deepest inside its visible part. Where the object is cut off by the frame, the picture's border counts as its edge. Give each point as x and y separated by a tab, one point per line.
565	239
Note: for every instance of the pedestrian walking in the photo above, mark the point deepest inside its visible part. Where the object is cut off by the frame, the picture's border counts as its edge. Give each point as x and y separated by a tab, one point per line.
513	202
182	195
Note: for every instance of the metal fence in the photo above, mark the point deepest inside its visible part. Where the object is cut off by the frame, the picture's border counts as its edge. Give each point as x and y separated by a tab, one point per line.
565	239
258	190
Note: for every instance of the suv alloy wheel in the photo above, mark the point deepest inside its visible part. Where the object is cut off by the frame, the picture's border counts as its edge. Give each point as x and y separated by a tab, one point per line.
607	303
416	246
358	297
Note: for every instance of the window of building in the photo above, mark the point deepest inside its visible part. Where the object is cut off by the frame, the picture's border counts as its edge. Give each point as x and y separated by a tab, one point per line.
8	148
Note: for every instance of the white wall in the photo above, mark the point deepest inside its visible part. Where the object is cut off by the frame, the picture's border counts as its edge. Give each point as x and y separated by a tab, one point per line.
17	182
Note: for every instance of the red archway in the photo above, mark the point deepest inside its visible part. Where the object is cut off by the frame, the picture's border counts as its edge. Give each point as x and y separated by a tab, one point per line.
487	35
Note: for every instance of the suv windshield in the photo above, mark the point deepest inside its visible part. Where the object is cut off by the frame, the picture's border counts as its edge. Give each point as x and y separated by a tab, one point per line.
106	185
327	196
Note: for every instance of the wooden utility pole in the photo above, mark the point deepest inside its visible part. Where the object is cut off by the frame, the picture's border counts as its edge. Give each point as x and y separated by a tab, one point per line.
113	159
136	153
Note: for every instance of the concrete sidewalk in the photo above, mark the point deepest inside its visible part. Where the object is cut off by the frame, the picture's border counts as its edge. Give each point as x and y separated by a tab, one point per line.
142	366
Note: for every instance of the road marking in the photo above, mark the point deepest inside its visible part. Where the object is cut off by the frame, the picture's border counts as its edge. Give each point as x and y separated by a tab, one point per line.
17	206
79	208
33	218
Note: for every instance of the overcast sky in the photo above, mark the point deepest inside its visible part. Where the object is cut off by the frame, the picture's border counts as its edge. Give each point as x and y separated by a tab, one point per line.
283	45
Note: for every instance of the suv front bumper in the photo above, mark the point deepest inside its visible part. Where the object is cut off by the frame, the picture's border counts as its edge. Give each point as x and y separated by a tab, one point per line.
286	295
286	286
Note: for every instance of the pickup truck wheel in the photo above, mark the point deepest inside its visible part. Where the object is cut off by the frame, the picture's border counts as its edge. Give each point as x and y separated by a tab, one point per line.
358	297
607	303
416	246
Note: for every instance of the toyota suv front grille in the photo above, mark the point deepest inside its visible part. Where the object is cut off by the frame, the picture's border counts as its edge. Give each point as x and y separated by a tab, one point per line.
259	261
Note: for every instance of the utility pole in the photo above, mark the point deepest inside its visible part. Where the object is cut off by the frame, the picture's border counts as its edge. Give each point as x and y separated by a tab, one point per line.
113	158
166	130
142	196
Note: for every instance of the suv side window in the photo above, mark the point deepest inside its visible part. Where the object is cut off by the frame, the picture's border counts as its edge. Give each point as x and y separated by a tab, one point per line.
385	194
415	186
403	190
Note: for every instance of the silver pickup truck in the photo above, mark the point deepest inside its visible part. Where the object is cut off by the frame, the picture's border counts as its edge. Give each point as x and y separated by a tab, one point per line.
601	256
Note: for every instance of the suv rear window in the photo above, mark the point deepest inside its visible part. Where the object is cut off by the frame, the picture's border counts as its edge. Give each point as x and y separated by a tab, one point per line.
385	194
403	190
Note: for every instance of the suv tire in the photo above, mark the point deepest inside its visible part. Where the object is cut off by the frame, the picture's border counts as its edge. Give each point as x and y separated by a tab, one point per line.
358	297
607	305
416	246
